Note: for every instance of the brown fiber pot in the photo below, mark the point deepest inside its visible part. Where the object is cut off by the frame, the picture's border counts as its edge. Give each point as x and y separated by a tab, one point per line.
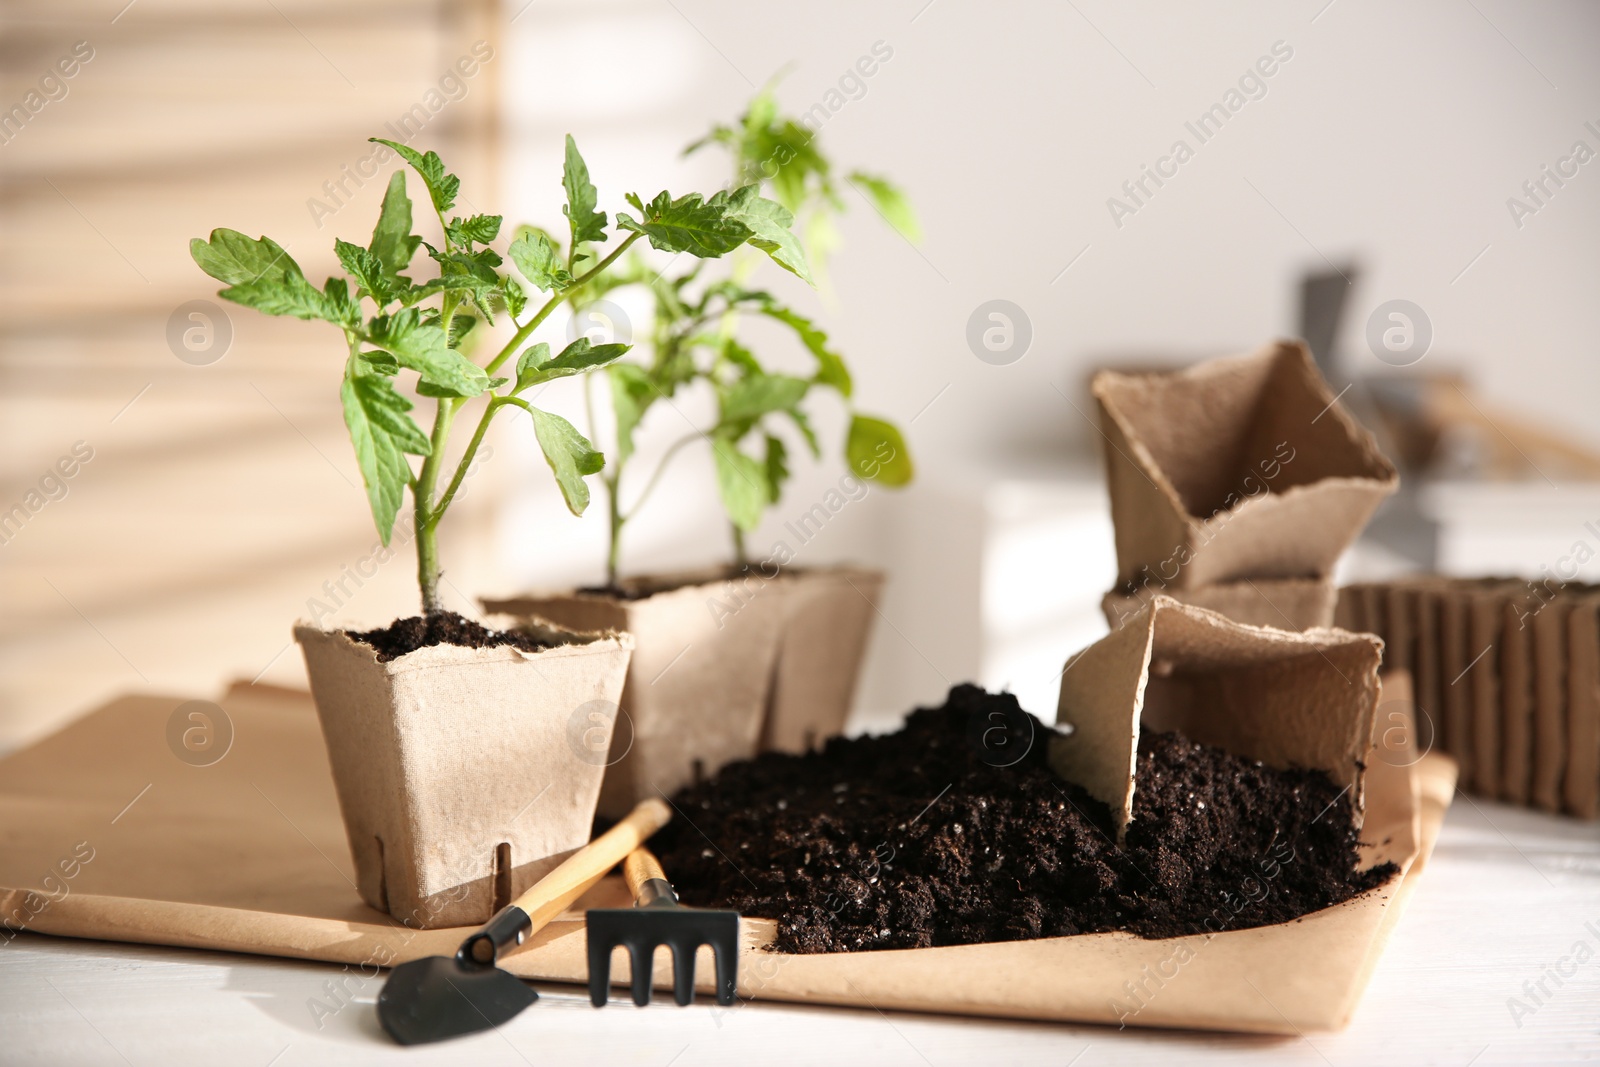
1281	603
1240	467
1287	699
463	774
706	645
830	612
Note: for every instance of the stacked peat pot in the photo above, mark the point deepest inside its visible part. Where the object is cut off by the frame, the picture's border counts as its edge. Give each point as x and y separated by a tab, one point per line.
1285	698
727	664
1235	485
1507	679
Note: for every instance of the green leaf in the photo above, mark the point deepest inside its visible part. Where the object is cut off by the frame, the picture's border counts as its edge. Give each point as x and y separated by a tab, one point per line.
287	295
688	224
784	155
480	264
367	269
337	304
741	357
719	134
769	222
891	204
803	424
570	456
755	395
231	257
762	110
379	362
442	187
457	281
539	262
392	240
529	362
460	326
382	433
470	272
831	369
742	481
423	348
587	223
260	274
876	451
516	300
535	365
632	393
777	468
583	354
479	229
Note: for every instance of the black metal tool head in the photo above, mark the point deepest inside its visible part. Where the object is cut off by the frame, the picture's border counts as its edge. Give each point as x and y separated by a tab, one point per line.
662	921
441	997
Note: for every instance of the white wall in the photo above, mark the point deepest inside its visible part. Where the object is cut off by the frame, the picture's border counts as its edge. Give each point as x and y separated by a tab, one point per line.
1393	136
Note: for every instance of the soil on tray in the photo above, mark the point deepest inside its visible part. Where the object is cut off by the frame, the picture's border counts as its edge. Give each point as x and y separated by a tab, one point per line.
927	837
440	628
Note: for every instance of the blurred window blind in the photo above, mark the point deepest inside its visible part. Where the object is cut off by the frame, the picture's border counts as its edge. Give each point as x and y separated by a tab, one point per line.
212	495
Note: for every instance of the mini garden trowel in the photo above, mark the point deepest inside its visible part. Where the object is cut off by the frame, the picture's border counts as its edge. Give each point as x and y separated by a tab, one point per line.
442	997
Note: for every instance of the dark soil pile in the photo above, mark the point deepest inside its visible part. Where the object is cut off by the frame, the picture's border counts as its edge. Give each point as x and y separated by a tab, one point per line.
440	628
918	838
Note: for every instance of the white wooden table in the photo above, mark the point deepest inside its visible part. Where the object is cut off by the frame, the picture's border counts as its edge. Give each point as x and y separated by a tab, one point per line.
1507	895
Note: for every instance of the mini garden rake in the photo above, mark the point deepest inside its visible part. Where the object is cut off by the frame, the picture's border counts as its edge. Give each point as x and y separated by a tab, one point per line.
658	919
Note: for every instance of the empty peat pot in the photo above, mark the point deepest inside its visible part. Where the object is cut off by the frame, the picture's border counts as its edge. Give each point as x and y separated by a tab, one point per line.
1234	468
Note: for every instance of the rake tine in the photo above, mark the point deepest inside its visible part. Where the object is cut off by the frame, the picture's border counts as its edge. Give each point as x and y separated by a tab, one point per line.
599	968
683	972
727	971
656	920
643	960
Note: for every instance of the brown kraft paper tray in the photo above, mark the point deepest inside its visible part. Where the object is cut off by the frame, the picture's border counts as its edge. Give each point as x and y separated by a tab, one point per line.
106	833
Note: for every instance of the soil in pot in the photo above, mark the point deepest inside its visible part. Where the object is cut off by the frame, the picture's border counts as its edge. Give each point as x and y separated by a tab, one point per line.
953	830
441	628
646	586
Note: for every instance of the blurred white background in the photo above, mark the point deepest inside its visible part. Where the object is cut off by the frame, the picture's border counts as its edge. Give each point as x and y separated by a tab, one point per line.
1391	136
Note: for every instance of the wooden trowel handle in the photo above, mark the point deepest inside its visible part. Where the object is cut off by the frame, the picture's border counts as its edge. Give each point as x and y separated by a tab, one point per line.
556	891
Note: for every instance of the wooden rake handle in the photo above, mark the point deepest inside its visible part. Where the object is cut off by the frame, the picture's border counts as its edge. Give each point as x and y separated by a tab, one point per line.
556	891
640	867
646	880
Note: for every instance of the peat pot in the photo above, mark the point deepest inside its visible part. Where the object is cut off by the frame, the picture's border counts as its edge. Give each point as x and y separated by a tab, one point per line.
706	644
828	618
1239	467
464	774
